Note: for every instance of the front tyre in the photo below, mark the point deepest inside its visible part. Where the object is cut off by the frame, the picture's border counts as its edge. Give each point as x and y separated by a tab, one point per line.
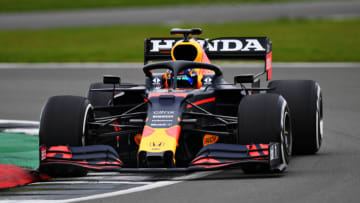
64	122
265	118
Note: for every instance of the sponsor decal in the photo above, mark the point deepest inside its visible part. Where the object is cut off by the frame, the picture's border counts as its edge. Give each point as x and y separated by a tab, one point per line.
274	152
162	118
216	45
157	144
164	112
137	139
210	139
156	82
207	81
43	152
158	45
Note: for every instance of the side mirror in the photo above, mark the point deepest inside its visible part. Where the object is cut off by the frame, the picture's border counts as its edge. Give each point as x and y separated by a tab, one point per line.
110	79
246	78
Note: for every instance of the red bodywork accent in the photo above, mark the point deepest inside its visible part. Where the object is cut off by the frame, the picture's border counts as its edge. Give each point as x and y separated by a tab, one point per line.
210	163
64	151
207	160
63	155
205	58
173	132
264	148
177	94
212	99
117	129
60	148
215	166
268	66
147	131
86	165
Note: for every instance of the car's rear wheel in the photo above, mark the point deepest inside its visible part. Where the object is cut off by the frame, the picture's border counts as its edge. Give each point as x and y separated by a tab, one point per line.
64	122
304	98
99	98
265	118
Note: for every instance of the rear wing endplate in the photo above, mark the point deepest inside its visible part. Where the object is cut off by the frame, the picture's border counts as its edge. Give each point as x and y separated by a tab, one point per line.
226	48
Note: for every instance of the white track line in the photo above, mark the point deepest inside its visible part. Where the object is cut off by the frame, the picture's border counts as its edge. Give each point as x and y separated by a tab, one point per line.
126	191
4	121
27	131
143	188
55	66
30	130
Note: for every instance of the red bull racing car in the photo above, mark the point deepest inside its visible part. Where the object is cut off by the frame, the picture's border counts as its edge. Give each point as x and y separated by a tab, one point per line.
185	117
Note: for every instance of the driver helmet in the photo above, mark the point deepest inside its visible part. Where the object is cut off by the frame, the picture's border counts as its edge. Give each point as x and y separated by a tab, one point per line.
186	79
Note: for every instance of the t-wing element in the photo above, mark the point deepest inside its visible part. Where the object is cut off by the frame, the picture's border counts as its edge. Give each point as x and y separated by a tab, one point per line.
110	79
186	32
114	80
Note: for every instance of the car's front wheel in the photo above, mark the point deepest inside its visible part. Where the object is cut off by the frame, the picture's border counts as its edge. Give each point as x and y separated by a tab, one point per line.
64	122
262	119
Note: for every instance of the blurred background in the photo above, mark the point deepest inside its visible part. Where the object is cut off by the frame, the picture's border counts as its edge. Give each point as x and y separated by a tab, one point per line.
114	30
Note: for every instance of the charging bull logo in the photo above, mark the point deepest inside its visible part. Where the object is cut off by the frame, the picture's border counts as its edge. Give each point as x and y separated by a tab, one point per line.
157	144
215	45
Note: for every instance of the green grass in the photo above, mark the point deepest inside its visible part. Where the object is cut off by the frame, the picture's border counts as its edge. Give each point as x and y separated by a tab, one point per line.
40	5
19	149
293	40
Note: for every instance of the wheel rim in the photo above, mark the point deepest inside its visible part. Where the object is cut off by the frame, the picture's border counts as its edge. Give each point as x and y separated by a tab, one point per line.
287	133
319	120
86	118
287	136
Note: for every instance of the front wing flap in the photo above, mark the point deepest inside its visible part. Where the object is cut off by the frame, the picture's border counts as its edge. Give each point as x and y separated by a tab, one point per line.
92	157
222	155
210	157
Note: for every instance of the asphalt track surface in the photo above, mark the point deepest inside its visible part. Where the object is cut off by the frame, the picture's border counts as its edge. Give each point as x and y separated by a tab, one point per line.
181	14
330	176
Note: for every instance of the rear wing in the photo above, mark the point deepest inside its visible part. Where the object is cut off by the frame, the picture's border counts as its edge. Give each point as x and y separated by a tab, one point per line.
226	48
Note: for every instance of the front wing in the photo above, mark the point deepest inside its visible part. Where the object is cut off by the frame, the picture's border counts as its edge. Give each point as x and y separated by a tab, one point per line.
210	157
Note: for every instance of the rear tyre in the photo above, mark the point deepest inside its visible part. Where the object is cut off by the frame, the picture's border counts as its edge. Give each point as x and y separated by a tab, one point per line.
304	98
265	118
63	122
97	98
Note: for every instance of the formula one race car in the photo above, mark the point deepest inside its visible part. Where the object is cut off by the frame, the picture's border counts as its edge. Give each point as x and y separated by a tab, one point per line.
185	117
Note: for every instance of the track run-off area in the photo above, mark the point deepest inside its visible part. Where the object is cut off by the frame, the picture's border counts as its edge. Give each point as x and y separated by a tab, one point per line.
332	175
